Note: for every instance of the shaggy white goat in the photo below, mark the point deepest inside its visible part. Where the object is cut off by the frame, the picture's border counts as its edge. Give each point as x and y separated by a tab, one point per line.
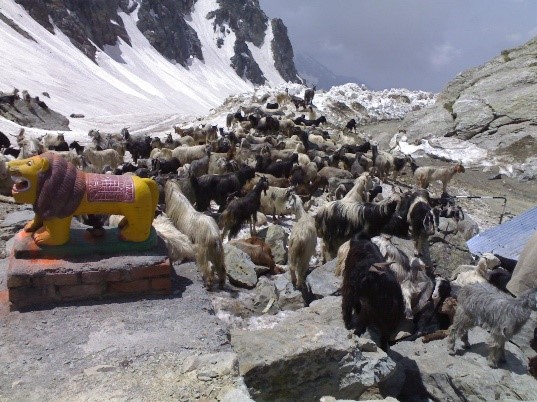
424	175
302	241
52	140
359	192
161	153
189	154
201	229
99	159
467	274
70	156
274	201
481	304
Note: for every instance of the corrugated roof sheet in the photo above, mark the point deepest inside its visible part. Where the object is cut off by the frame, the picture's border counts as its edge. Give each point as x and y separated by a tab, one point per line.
507	239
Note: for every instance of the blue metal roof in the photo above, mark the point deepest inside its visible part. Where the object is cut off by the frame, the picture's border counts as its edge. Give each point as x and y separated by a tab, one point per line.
507	239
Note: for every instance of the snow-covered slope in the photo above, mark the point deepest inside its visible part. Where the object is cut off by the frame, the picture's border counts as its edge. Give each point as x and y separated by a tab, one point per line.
126	79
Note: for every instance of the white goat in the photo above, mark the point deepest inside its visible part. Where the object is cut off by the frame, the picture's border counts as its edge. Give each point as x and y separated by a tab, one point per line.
201	229
302	241
188	154
161	153
99	159
359	191
424	175
274	201
467	274
52	140
70	156
29	147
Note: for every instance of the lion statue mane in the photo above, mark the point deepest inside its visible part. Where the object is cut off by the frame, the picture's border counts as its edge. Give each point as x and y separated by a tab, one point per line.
58	191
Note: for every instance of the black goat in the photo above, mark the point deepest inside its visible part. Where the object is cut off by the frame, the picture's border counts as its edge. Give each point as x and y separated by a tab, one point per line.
308	95
338	221
299	120
139	147
445	207
199	167
242	209
4	141
268	123
316	122
126	167
9	98
298	102
371	194
366	146
351	125
77	147
281	168
166	166
298	176
41	104
232	117
12	151
272	106
62	146
218	187
507	263
371	290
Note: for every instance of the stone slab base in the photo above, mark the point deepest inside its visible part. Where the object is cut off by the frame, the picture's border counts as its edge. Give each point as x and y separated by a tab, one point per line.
81	243
40	281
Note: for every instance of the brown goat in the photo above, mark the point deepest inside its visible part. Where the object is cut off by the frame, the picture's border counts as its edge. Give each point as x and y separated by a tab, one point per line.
259	252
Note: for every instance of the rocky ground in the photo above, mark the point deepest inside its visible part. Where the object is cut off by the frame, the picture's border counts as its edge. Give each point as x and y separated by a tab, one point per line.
176	348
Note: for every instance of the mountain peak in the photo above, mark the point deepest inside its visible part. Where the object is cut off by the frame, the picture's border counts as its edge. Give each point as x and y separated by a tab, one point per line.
105	57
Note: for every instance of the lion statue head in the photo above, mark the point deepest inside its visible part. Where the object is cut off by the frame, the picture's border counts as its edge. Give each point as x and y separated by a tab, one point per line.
51	184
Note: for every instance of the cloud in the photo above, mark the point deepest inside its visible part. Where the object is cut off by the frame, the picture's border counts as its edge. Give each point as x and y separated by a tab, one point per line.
443	55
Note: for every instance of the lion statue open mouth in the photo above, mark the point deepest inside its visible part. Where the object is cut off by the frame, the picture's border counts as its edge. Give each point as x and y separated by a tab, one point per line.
58	191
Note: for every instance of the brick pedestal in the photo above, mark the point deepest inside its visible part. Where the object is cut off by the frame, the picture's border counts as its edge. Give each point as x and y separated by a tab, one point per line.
40	276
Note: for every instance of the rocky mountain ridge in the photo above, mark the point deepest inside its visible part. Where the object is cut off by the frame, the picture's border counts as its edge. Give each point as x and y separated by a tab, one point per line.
491	106
92	25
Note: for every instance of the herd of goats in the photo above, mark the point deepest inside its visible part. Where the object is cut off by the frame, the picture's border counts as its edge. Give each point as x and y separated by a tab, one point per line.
270	160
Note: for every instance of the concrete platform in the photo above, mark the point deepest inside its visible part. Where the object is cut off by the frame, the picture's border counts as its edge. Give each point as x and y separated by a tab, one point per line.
85	268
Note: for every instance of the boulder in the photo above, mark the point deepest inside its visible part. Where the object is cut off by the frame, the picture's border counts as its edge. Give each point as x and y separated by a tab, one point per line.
240	269
464	377
266	298
307	355
277	238
323	282
492	106
289	298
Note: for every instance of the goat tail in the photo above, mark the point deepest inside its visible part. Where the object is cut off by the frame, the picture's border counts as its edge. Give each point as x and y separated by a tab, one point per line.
153	188
234	229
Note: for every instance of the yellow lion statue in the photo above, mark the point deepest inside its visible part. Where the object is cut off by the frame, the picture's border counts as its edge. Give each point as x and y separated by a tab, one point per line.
58	191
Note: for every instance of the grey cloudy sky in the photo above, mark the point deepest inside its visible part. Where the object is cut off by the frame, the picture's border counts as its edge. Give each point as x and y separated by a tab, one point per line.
414	44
